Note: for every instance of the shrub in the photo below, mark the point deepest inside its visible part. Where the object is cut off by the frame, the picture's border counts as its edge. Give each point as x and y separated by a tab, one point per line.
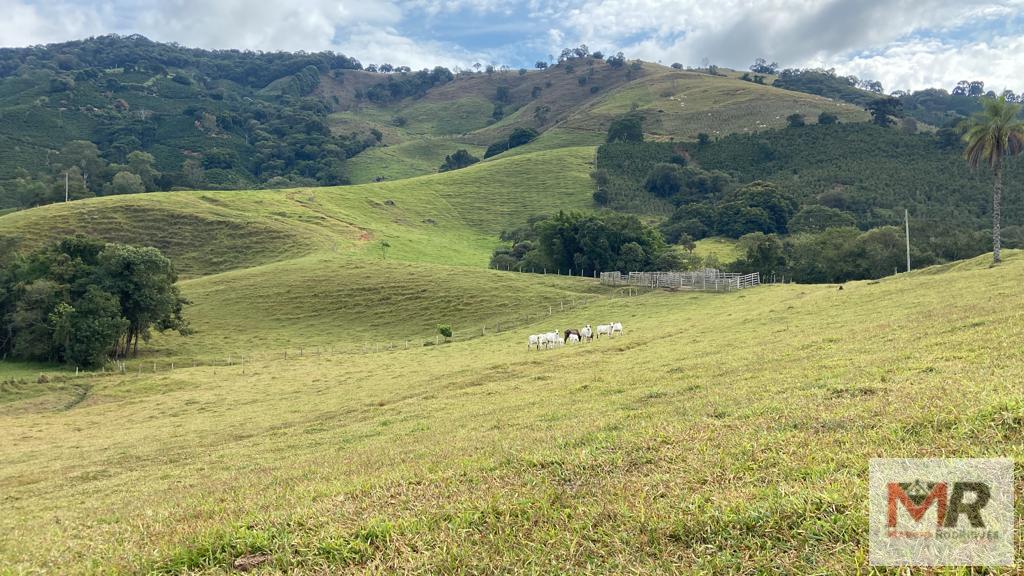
459	159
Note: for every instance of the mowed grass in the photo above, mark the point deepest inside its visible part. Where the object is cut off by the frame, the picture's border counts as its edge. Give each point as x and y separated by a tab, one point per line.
722	433
450	218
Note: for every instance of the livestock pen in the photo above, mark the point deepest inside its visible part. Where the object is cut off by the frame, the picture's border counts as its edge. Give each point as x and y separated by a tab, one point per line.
709	280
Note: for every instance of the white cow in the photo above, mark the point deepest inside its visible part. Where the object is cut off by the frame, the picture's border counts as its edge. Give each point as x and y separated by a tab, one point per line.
605	329
550	339
534	342
573	339
616	328
587	333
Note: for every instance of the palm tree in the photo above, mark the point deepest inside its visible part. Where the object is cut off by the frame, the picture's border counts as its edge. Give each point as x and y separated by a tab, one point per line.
992	135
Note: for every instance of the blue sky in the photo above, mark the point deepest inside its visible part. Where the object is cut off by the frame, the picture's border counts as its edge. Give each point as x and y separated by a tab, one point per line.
907	44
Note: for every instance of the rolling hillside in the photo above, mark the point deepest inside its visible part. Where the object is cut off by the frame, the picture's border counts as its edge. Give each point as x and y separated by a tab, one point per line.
478	455
307	267
450	218
675	104
720	433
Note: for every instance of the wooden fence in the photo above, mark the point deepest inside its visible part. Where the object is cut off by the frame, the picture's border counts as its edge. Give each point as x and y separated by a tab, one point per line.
709	280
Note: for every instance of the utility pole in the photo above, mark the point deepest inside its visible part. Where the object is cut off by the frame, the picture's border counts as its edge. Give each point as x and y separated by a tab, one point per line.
65	186
906	222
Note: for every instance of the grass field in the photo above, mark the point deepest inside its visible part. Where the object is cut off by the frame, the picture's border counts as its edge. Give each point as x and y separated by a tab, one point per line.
722	433
449	218
675	105
680	105
721	454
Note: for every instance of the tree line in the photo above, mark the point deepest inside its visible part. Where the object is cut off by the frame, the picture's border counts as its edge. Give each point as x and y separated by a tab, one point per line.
83	302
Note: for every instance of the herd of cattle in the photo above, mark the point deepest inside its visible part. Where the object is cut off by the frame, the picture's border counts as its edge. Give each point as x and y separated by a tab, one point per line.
573	336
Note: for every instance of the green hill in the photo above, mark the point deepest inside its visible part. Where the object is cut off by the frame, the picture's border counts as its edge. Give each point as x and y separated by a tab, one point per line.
479	455
720	433
322	252
675	104
451	218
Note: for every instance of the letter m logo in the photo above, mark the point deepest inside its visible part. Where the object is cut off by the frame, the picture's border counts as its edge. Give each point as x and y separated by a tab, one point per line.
916	498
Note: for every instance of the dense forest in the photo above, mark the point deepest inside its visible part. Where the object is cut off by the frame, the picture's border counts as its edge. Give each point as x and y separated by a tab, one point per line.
117	114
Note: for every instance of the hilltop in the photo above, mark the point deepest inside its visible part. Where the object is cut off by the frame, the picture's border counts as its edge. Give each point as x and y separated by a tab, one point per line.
238	120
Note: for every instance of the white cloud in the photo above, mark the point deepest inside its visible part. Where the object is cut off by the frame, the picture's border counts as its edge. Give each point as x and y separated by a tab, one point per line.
904	43
25	24
831	33
931	63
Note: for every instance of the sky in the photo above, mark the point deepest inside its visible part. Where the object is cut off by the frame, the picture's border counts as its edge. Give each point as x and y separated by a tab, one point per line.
906	44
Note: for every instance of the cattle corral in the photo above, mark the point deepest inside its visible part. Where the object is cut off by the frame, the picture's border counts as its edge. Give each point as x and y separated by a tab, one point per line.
709	280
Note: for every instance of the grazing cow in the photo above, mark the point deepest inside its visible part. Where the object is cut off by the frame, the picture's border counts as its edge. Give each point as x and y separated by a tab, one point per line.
573	338
572	332
605	329
587	333
534	342
555	339
616	328
550	339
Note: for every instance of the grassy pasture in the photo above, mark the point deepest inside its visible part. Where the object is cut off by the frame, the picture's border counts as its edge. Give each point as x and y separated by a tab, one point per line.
721	433
682	104
409	159
675	104
333	301
449	218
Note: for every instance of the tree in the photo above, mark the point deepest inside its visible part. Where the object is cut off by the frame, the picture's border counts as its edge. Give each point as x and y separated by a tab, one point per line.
761	66
817	218
459	159
445	330
828	118
762	253
677	66
84	156
883	110
88	332
628	128
617	61
521	136
72	183
540	114
992	136
795	120
192	173
540	65
141	164
766	196
143	280
125	182
665	180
